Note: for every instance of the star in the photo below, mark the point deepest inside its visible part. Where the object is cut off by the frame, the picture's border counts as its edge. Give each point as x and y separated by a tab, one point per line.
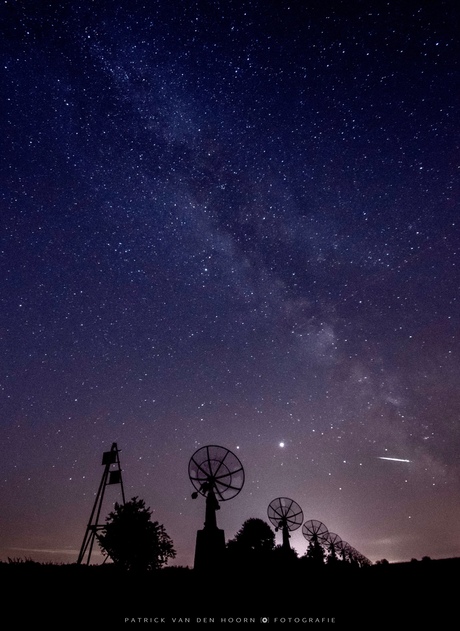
219	227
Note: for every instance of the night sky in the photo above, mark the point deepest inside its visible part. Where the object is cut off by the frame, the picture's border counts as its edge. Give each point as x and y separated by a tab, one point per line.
233	223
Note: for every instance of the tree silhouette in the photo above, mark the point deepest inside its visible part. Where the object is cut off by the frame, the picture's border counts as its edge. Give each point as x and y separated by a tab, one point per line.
132	540
315	552
382	562
253	544
255	535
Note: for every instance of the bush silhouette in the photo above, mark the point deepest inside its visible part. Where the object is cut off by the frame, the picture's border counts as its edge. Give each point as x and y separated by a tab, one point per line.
132	540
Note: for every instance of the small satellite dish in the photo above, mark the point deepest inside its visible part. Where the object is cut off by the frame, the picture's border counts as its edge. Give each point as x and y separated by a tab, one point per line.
314	531
285	514
333	542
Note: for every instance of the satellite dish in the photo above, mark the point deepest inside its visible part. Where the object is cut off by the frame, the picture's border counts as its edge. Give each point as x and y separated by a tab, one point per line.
214	469
218	475
349	553
285	514
314	531
342	549
333	542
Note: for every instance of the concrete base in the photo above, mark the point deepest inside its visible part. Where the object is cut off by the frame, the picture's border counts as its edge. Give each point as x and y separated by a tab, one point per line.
209	549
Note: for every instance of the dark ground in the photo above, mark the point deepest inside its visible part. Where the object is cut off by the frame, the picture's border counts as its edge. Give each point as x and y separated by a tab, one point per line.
397	596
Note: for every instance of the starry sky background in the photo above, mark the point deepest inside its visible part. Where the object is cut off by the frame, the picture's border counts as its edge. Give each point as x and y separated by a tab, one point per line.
232	223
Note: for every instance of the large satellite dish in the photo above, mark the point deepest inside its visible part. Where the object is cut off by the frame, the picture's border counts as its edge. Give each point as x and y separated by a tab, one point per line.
218	475
214	469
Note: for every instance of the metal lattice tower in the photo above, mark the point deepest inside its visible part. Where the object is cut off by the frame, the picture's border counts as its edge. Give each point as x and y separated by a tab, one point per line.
111	475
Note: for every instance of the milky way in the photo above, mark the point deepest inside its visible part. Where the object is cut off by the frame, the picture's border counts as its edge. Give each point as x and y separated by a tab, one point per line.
231	223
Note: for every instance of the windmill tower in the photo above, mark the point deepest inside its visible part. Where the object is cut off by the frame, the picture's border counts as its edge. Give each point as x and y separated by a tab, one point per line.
218	475
111	475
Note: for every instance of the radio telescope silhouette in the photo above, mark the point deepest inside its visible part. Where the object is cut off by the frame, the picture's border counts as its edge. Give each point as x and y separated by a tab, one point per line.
341	549
353	556
333	542
218	475
347	551
285	514
315	532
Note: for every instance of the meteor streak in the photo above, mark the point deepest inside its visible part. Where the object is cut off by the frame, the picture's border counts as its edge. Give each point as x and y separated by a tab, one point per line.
395	459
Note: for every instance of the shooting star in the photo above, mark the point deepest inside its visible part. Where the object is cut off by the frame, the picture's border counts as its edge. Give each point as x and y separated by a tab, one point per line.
394	459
